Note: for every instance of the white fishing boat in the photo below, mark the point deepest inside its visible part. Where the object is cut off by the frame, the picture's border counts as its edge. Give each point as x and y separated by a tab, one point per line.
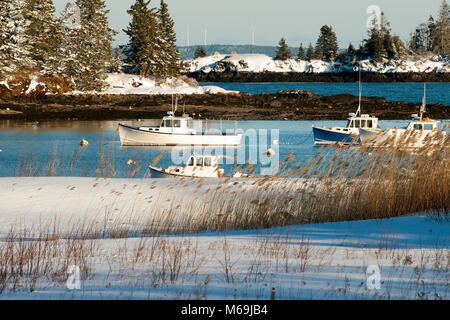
176	131
420	132
198	166
350	133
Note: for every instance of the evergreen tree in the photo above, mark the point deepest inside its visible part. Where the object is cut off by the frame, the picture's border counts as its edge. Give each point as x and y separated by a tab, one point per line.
373	47
283	52
145	48
94	50
441	41
199	52
351	54
301	53
69	29
431	34
17	24
117	61
309	53
327	46
7	47
417	42
40	36
172	62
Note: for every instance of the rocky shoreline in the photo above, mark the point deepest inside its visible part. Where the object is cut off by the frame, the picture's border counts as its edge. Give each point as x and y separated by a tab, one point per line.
231	76
285	105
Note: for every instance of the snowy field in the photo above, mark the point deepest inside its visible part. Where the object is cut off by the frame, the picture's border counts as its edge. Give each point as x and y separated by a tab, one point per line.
311	261
262	63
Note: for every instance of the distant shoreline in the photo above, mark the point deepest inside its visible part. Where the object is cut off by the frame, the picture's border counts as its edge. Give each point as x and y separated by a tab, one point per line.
287	105
230	76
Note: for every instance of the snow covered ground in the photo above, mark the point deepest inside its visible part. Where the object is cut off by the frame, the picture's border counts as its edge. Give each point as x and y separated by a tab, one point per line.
408	257
262	63
133	84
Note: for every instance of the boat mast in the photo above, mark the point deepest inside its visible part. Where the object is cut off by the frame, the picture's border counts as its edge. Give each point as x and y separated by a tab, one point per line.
358	112
424	101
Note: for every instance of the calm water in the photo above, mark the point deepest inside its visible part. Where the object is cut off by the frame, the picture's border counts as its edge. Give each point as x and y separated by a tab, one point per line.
40	148
408	92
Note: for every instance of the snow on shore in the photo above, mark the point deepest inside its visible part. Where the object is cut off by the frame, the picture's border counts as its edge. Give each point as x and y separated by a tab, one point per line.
133	84
264	63
313	261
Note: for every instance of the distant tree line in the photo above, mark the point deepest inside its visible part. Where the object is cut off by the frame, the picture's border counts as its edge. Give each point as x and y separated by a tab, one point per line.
380	44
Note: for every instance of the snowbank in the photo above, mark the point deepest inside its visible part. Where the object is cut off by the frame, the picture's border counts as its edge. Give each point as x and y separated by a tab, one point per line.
264	63
312	261
133	84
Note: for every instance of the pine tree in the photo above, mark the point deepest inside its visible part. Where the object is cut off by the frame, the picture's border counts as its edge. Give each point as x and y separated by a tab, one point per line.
373	47
199	52
309	53
7	47
41	41
145	48
117	61
94	50
417	42
351	54
301	53
171	59
431	34
327	46
69	29
17	24
441	41
283	52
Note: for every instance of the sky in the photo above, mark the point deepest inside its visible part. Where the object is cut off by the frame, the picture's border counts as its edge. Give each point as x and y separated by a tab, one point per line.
299	21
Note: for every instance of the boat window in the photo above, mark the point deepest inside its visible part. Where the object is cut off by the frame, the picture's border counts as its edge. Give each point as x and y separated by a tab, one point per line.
208	162
199	161
350	124
177	123
168	123
162	123
191	161
357	124
418	126
363	123
369	124
428	126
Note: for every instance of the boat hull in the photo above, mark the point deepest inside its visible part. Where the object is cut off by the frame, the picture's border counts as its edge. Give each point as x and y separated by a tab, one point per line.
403	138
326	136
133	136
160	173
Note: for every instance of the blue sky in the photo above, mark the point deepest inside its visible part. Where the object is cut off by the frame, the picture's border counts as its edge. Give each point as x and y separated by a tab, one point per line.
230	21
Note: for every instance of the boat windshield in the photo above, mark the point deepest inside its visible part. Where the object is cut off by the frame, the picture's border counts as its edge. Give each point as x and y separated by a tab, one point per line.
418	126
191	161
207	162
428	126
199	161
350	124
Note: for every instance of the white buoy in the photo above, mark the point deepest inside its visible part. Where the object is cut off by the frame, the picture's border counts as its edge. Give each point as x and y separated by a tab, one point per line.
130	162
270	152
84	142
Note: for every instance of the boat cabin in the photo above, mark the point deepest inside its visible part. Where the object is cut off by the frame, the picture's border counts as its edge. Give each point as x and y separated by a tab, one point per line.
423	125
363	121
202	161
173	124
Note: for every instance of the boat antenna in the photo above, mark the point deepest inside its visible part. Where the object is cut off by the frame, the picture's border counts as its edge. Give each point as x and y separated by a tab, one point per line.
358	112
176	104
424	101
